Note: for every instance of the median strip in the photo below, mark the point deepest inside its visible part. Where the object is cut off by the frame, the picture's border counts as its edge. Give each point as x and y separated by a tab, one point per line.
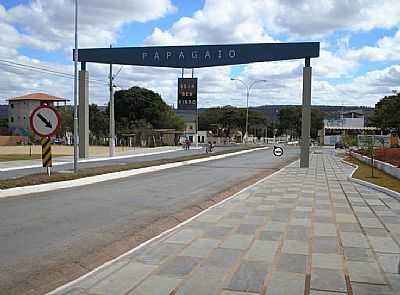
42	183
380	178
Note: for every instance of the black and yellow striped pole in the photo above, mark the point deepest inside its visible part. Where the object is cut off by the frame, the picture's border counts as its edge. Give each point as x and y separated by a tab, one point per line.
46	154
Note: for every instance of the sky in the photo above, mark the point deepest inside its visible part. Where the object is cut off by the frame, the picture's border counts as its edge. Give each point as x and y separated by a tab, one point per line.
359	60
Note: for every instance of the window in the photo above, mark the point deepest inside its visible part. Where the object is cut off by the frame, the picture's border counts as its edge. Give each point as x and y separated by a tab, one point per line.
12	119
12	105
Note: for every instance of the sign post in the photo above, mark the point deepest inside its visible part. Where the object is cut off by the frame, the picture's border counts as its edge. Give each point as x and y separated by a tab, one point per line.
46	154
45	121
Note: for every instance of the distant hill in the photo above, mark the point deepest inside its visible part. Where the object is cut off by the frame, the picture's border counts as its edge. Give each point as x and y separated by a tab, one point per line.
272	111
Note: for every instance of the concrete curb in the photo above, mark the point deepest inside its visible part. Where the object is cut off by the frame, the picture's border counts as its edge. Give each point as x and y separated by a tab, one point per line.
12	192
161	235
102	159
381	189
384	166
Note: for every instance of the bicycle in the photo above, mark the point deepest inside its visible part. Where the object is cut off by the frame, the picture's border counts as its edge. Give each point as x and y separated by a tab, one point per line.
209	149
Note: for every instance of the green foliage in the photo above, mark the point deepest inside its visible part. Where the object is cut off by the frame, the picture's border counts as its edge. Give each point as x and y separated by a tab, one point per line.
317	121
3	123
99	123
387	113
67	120
290	121
140	108
223	120
349	140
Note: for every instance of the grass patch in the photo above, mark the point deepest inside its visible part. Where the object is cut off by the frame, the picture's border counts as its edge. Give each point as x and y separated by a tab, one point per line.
35	179
380	178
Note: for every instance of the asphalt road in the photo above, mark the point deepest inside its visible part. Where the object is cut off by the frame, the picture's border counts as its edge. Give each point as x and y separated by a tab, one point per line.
46	229
69	166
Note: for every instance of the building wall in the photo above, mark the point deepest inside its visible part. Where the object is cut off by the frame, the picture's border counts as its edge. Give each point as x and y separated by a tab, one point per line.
345	122
332	139
13	140
202	137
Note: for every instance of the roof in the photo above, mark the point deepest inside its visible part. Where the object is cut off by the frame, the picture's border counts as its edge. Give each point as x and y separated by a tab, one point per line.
352	128
38	96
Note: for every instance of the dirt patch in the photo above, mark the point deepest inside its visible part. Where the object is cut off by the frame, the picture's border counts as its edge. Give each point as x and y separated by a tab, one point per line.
49	279
388	155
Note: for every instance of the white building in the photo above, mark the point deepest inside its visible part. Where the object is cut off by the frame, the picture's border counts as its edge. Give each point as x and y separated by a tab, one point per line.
350	123
20	108
190	119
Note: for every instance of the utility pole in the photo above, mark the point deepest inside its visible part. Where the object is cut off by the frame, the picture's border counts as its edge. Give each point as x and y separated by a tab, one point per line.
112	118
76	91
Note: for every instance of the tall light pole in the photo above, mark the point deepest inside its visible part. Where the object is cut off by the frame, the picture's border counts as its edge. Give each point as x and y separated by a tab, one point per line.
76	91
112	119
248	88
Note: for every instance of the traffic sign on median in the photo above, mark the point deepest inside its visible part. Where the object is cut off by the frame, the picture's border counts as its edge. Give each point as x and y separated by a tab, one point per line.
277	151
44	121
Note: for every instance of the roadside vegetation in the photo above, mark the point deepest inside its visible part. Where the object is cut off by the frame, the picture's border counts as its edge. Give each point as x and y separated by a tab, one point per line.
364	172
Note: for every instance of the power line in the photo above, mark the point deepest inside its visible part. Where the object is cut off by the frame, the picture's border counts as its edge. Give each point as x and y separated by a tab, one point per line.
21	66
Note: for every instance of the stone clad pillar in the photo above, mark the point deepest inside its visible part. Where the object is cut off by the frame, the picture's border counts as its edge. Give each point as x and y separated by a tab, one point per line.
83	112
306	117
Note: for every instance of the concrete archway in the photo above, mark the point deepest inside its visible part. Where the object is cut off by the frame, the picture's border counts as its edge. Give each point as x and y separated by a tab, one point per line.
199	56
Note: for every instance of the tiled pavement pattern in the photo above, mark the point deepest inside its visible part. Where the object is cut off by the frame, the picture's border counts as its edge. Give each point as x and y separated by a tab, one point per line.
301	231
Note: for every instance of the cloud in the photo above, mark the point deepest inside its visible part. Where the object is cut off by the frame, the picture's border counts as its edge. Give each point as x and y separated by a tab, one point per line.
51	22
221	21
386	48
317	18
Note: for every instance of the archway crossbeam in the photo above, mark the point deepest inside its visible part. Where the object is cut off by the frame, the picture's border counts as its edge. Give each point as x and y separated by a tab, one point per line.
199	56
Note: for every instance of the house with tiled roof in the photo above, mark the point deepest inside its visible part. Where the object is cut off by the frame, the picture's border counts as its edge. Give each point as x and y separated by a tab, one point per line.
20	108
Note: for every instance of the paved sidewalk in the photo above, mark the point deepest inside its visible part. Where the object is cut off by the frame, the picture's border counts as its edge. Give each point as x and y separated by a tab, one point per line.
301	231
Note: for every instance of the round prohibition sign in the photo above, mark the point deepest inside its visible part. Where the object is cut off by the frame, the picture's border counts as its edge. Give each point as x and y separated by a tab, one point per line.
278	151
44	121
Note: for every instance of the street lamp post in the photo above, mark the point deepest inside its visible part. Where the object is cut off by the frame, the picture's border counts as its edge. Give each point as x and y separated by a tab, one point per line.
248	88
76	91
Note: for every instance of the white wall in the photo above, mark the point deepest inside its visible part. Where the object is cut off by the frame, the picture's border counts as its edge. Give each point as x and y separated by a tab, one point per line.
332	139
345	122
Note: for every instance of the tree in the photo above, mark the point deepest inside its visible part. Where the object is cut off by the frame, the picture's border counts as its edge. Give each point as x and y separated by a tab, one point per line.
290	121
387	113
67	121
98	124
138	108
223	120
317	121
4	123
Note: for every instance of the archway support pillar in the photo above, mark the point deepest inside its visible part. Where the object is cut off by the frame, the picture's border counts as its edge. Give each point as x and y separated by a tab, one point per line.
83	112
306	116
